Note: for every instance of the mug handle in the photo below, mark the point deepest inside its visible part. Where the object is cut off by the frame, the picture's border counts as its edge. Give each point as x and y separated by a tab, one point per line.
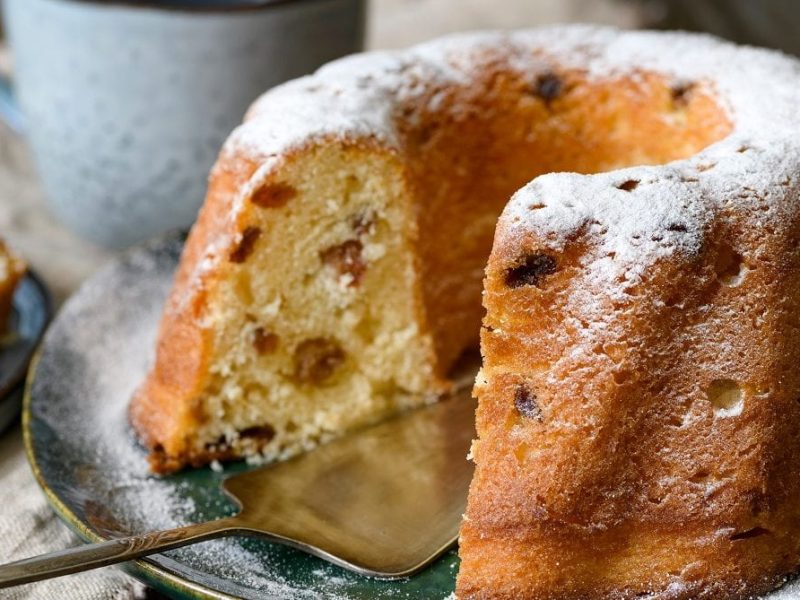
10	113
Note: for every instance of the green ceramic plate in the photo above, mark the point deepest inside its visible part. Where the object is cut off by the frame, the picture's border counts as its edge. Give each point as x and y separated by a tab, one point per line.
95	475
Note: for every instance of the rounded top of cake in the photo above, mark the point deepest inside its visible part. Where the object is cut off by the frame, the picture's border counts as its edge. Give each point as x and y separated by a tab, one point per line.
358	95
638	215
364	97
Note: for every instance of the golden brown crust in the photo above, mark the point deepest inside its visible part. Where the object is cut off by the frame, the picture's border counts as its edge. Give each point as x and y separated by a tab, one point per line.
670	563
639	479
161	410
476	147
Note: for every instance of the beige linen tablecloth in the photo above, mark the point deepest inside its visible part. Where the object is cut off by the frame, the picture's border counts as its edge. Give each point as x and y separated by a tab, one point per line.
27	524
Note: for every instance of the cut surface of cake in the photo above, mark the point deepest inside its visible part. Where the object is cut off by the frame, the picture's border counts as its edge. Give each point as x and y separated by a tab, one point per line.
639	412
334	275
12	270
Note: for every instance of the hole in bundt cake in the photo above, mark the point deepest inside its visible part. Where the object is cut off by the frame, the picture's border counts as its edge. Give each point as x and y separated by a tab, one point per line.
246	245
273	195
534	268
729	266
264	341
701	476
726	397
526	403
316	360
629	185
465	365
346	261
750	534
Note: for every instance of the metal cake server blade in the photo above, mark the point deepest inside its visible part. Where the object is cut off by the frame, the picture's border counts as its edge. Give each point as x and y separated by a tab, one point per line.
384	502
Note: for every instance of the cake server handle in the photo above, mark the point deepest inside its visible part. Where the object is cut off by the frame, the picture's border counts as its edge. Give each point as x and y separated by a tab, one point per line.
92	556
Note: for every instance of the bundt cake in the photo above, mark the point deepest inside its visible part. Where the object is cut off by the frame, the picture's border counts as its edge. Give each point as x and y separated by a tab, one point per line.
639	400
12	270
638	406
335	271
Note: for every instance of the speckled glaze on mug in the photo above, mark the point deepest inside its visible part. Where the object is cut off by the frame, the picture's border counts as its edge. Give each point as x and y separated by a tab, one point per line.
127	104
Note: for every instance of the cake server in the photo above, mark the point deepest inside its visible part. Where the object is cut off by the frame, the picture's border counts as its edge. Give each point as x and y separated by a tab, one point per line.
383	502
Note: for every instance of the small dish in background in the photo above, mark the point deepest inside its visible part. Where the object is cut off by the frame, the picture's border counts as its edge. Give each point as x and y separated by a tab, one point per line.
31	311
10	406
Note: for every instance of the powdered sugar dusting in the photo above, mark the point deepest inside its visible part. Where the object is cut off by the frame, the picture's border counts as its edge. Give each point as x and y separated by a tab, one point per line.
358	97
672	206
94	356
669	213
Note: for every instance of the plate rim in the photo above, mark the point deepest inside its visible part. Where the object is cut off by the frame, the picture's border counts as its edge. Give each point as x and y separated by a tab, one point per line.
141	569
150	572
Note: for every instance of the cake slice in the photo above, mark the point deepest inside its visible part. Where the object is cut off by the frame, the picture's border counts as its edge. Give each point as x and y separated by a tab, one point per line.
309	324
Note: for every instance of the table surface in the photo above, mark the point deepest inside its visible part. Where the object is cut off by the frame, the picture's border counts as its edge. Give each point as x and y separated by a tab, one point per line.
64	260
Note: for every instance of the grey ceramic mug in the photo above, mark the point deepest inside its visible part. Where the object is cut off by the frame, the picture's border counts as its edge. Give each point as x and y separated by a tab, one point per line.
126	104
